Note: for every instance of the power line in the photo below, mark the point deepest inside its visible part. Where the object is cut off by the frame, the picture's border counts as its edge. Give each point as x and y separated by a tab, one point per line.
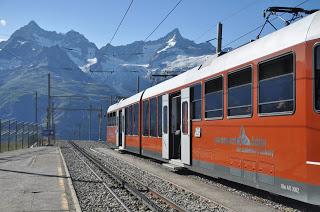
226	18
258	27
163	20
118	27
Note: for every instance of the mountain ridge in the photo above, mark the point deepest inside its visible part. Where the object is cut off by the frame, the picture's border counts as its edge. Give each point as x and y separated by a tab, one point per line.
32	52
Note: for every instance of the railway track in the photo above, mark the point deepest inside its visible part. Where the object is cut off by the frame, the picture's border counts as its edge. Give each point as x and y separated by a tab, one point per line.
143	192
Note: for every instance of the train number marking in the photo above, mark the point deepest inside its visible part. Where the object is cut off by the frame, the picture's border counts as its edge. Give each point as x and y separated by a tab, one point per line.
291	188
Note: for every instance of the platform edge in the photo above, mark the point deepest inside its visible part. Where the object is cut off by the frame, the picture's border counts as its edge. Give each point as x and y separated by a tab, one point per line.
70	184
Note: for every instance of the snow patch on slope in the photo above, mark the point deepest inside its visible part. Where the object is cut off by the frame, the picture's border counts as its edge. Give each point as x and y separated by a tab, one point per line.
184	63
86	67
21	42
135	65
170	44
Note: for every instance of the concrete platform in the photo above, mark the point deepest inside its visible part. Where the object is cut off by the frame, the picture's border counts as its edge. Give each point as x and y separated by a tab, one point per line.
35	180
233	201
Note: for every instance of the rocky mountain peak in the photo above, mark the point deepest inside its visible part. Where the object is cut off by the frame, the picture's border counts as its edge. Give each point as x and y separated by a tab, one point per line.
72	34
32	25
27	30
175	32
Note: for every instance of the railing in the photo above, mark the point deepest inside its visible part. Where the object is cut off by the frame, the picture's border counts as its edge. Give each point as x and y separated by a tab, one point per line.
18	135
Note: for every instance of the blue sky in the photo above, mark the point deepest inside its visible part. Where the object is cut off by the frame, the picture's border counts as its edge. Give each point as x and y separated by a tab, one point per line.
98	19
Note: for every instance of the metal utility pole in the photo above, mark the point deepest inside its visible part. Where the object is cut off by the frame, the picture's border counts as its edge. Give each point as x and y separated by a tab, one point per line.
100	122
138	83
9	135
0	136
36	116
110	100
90	116
79	130
36	108
53	126
74	132
219	38
16	134
49	109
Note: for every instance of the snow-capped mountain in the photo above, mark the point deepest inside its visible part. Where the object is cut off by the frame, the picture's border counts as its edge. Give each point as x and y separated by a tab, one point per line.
30	39
171	53
75	64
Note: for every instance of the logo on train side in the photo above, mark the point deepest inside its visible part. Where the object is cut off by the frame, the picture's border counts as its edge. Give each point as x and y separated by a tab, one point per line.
246	145
244	138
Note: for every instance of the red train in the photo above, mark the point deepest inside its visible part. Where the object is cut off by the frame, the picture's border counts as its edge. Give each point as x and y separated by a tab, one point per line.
251	116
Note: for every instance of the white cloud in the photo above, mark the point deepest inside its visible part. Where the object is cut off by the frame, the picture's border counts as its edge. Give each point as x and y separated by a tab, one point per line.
3	22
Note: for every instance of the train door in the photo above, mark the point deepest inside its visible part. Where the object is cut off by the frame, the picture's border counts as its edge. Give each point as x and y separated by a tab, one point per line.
119	117
185	127
175	126
165	124
118	129
123	142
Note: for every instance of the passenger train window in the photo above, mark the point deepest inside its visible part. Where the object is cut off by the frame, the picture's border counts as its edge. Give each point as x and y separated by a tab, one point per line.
196	100
130	121
276	85
153	117
165	119
159	116
127	121
146	117
214	98
240	93
135	119
317	78
185	117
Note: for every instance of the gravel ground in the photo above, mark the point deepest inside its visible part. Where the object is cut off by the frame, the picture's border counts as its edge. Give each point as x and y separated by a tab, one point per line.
183	198
91	192
273	201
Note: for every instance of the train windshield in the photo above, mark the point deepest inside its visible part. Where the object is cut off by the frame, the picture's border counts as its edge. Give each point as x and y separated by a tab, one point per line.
317	78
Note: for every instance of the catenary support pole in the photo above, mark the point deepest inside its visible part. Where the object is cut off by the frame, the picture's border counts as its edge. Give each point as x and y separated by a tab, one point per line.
49	108
9	135
16	134
138	83
90	117
219	38
0	136
100	122
36	116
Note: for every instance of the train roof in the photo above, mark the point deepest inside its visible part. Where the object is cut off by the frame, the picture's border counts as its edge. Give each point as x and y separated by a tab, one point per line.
125	102
303	30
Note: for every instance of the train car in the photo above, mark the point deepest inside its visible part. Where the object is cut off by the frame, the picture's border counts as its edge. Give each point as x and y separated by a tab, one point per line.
251	116
112	127
125	130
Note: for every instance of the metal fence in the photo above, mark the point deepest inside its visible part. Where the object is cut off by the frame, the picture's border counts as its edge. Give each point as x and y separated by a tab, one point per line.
18	135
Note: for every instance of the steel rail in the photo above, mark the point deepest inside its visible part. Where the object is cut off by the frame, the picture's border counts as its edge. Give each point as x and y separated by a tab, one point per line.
105	185
168	181
147	188
122	182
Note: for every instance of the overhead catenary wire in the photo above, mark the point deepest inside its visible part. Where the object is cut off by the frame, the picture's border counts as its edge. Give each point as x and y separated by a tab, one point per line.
115	33
123	17
163	20
226	18
258	27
